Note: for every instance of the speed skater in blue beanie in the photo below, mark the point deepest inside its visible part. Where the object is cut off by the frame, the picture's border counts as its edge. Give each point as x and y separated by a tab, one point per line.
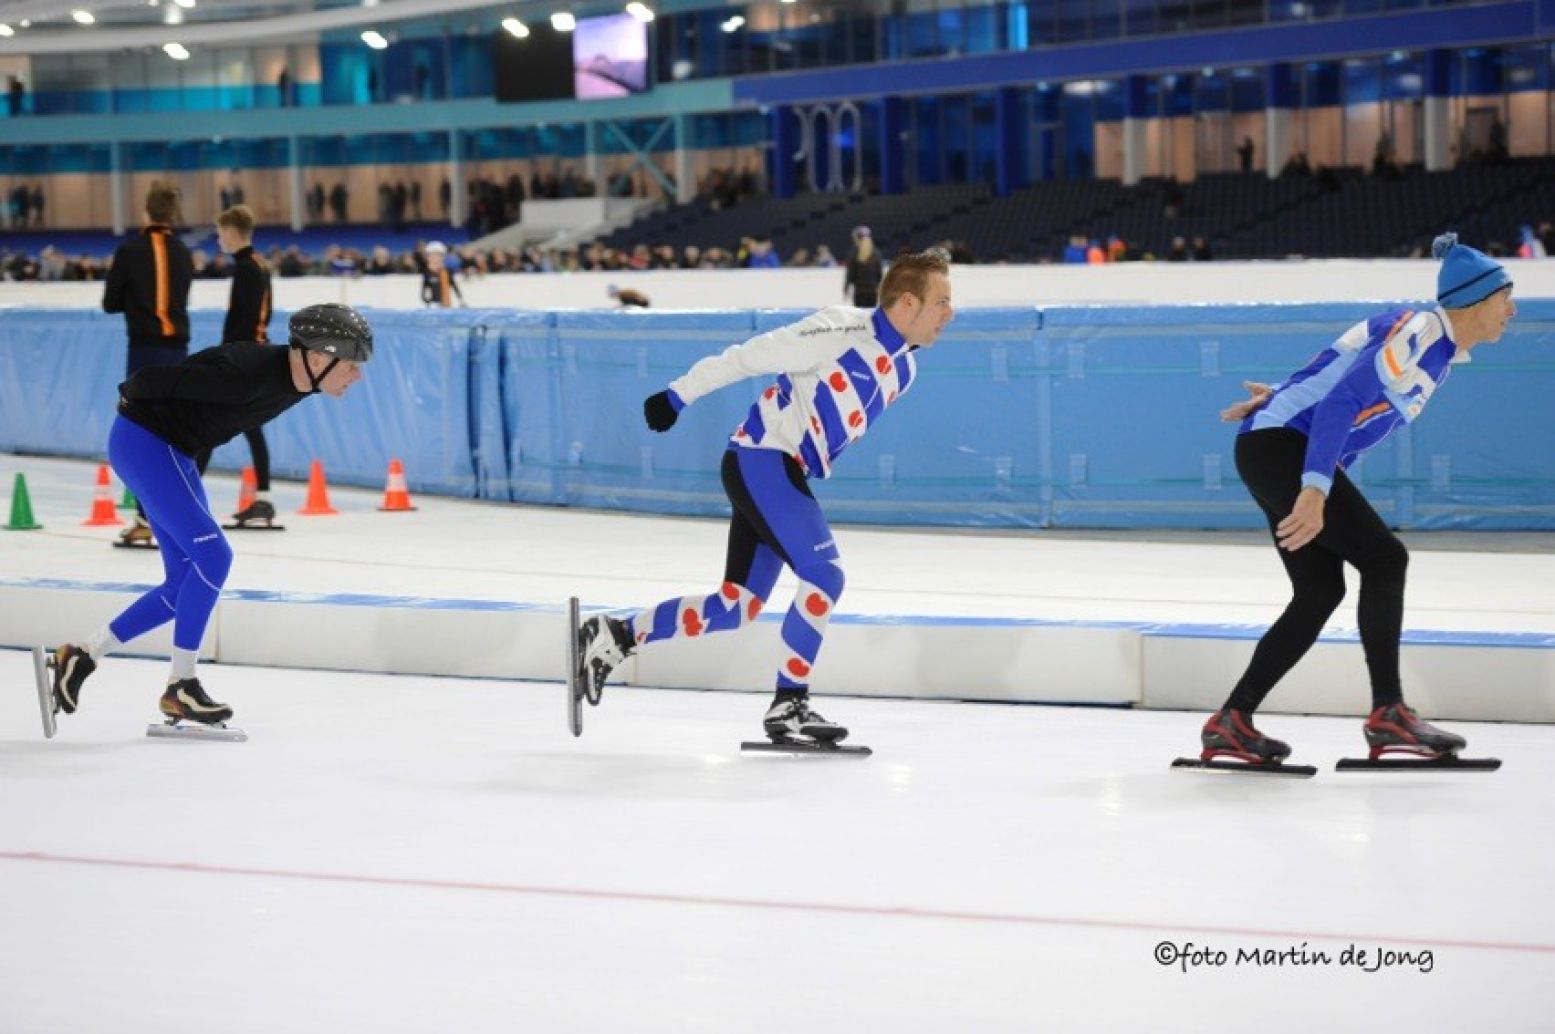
1296	440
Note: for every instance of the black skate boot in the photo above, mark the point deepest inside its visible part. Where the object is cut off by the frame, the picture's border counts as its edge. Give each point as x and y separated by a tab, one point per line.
1397	729
1231	734
71	666
257	512
790	720
603	643
186	700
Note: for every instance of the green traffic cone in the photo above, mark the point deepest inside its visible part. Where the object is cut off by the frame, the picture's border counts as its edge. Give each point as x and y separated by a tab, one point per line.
21	508
128	502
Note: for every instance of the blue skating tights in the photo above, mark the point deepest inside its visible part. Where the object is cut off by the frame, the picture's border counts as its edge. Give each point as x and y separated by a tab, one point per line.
195	555
776	522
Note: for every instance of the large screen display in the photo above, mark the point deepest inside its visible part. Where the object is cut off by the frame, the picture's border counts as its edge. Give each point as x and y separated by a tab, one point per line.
609	57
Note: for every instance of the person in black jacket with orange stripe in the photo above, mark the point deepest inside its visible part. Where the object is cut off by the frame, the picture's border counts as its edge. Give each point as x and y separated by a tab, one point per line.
148	281
248	319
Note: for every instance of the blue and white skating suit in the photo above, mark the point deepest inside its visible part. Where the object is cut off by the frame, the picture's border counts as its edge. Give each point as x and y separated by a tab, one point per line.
1380	373
837	371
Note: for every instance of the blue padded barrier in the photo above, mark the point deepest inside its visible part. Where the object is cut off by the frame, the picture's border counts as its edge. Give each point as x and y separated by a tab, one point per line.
1080	416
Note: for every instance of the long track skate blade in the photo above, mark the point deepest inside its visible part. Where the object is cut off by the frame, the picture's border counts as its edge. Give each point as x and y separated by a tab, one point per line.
40	677
134	545
574	683
1445	763
804	750
1244	768
253	527
195	731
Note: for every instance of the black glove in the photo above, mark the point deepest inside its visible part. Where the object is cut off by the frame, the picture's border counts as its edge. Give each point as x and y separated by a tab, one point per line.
659	411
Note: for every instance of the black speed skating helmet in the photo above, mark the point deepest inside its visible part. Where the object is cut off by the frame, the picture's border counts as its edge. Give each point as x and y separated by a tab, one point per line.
334	329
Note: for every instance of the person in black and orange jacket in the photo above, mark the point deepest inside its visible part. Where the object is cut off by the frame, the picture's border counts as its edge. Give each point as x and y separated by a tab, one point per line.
148	281
438	286
248	319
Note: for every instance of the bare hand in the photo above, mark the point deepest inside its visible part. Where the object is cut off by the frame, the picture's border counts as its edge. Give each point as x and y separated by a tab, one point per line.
1258	396
1305	520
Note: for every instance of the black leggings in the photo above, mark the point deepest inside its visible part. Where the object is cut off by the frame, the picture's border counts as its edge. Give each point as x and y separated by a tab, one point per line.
260	451
1270	463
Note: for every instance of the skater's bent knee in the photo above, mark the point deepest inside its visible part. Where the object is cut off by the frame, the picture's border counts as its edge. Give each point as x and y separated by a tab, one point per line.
826	576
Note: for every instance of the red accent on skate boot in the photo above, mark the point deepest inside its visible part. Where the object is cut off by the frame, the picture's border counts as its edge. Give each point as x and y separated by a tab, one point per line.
816	604
691	621
797	668
753	609
730	591
838	382
882	364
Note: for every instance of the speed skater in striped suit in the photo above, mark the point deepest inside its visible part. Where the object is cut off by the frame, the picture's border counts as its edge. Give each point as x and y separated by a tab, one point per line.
837	372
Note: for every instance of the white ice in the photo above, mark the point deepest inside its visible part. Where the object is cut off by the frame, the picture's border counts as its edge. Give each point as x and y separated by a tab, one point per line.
412	854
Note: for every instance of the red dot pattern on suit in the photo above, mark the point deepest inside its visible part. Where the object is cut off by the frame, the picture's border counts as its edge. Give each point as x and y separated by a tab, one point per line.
837	381
855	418
691	621
816	604
753	609
797	668
770	393
730	591
883	364
890	398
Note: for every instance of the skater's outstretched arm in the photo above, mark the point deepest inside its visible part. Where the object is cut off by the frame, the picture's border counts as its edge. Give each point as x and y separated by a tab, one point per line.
795	348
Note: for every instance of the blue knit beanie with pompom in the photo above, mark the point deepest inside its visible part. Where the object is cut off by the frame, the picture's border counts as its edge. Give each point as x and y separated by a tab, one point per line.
1467	276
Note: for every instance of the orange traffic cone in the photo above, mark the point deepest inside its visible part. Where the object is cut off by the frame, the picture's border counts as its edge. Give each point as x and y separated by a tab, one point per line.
248	490
104	513
396	496
317	504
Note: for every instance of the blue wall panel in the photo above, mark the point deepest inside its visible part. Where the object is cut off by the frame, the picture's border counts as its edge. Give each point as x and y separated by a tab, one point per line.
1066	417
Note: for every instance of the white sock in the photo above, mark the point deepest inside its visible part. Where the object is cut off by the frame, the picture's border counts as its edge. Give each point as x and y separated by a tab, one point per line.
103	641
183	665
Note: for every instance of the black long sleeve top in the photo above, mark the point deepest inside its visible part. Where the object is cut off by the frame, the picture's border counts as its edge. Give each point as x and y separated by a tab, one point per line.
148	281
212	396
248	307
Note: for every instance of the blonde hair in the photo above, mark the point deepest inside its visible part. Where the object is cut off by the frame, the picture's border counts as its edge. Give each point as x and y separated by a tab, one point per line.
909	274
162	202
239	218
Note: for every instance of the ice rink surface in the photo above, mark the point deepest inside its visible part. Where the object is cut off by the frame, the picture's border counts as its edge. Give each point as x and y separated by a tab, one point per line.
393	853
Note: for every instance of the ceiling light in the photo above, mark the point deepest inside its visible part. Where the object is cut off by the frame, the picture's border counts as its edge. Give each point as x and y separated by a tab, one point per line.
82	17
25	23
639	10
6	30
563	21
185	4
516	27
733	24
375	39
176	51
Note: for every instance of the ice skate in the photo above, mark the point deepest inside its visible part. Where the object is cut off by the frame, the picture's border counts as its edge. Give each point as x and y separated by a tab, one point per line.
1398	730
192	715
792	728
136	536
603	644
47	708
258	515
1232	744
70	666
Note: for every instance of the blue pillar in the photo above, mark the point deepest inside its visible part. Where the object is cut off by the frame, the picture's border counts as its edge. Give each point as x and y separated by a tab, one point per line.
1010	122
785	142
1437	114
1282	96
1136	126
893	151
1049	123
